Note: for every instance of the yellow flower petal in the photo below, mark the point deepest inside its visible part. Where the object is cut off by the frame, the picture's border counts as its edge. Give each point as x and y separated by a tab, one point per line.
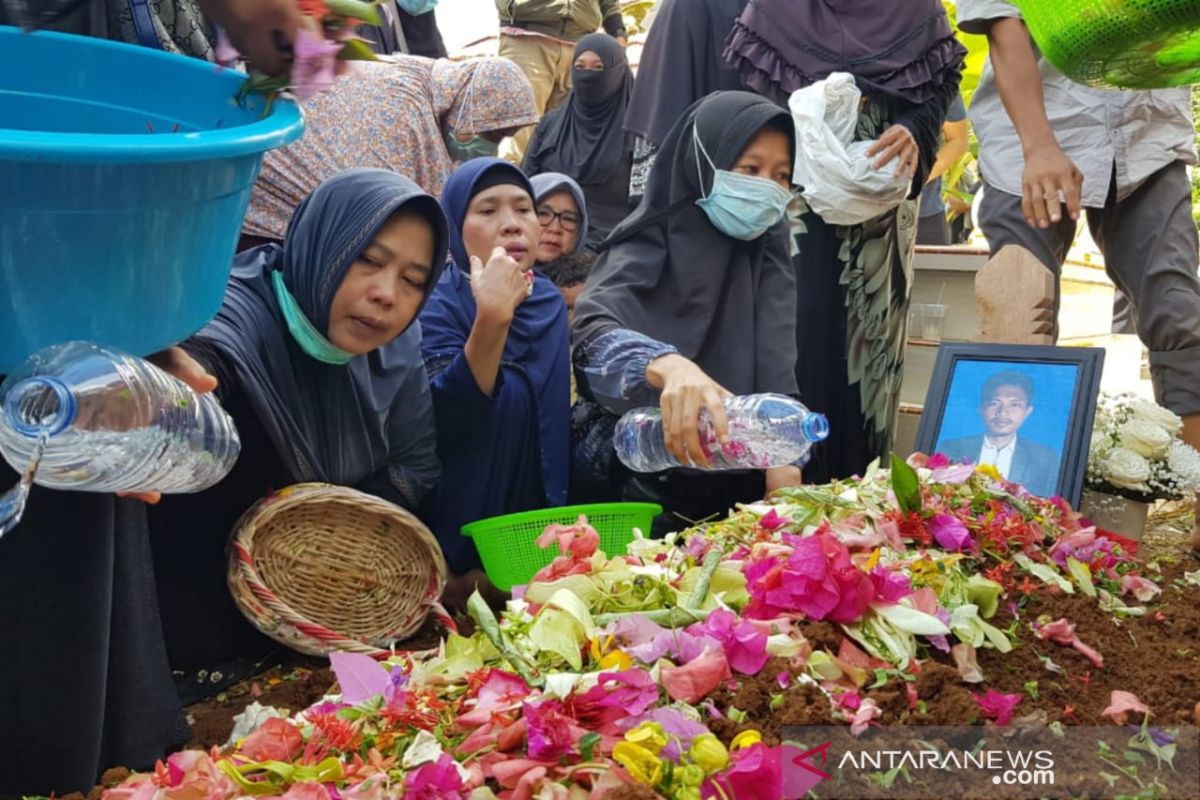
990	471
745	739
873	560
708	753
641	764
648	735
616	660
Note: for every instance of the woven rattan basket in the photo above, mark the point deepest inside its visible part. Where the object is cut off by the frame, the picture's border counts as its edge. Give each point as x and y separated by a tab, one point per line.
321	568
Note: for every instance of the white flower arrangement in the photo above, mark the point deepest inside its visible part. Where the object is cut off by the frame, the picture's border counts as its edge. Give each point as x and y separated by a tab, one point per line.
1136	452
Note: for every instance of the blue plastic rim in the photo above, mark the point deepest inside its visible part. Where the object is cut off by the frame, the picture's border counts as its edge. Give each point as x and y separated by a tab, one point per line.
126	174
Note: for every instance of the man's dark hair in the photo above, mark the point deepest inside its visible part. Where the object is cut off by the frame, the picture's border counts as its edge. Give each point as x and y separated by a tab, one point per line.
570	269
1009	377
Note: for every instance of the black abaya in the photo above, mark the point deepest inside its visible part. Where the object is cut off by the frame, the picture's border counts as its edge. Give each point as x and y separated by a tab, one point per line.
84	680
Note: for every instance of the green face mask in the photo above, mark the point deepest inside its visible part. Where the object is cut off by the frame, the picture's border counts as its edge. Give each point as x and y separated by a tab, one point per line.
478	147
311	340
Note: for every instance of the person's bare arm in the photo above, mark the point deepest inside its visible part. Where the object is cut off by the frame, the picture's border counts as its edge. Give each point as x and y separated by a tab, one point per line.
1048	171
956	141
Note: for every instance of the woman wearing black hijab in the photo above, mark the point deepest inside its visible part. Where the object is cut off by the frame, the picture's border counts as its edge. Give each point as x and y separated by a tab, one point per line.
680	64
856	279
583	138
692	300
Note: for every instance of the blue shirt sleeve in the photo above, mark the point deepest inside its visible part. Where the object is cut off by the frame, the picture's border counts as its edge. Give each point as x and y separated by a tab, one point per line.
461	407
612	368
958	110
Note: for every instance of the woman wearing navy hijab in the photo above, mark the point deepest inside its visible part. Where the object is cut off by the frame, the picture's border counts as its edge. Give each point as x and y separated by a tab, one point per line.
318	361
495	340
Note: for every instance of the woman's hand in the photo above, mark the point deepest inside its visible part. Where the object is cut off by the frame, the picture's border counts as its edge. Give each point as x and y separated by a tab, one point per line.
782	478
498	288
261	30
686	389
896	143
176	362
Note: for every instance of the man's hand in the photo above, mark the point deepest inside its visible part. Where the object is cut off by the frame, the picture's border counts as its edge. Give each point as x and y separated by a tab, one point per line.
1048	171
1050	178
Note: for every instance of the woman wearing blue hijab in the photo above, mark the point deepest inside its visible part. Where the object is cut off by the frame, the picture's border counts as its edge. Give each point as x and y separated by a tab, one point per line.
318	361
495	341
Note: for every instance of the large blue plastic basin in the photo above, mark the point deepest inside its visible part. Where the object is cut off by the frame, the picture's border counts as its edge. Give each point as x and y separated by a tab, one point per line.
125	173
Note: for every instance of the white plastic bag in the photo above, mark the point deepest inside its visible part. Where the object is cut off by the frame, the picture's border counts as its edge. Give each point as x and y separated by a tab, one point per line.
836	176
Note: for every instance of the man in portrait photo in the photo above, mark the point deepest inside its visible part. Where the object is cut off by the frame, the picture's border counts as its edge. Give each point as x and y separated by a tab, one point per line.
1005	402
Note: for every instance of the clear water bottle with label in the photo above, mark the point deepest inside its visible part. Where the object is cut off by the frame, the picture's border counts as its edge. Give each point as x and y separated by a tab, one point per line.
103	421
765	430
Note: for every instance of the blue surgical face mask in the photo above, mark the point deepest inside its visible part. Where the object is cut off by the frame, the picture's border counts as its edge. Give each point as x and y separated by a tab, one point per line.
418	7
477	147
305	334
741	206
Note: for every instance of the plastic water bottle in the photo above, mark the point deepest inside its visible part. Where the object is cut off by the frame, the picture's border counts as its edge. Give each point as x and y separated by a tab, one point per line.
765	430
111	422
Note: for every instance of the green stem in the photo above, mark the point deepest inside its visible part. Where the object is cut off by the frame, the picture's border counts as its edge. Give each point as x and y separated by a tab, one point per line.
479	610
666	617
711	562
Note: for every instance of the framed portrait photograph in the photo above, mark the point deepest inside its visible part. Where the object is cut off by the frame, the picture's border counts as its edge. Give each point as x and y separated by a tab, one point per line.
1026	410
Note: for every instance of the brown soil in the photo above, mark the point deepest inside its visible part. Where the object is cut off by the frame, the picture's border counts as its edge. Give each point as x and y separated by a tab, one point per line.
295	684
1157	657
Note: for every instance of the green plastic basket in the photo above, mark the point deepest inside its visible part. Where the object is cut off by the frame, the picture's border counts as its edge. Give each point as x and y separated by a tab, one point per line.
508	545
1133	44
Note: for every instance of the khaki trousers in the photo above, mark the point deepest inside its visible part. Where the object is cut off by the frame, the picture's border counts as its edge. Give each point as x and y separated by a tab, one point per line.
547	63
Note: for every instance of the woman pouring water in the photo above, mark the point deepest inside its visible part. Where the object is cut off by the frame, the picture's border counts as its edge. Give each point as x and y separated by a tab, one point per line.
694	300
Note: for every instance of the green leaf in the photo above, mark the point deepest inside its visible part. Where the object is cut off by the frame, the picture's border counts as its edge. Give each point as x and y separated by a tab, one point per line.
881	679
356	50
1143	741
357	9
905	485
582	586
984	593
587	745
1082	574
464	655
558	632
1044	573
909	620
1031	689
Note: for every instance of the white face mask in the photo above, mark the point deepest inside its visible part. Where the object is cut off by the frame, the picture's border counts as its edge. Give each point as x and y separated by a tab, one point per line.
741	206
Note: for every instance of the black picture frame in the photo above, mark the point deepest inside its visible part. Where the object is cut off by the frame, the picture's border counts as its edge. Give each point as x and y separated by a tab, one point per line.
1089	362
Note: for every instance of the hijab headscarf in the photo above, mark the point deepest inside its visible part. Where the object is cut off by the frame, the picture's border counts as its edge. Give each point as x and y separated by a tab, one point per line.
681	63
907	50
537	341
728	305
583	137
336	424
549	183
389	115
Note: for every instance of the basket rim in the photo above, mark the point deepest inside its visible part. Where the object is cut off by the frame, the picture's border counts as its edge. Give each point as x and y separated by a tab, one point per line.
483	525
243	571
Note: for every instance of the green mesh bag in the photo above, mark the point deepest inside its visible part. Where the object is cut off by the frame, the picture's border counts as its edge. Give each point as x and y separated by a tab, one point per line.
1134	44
